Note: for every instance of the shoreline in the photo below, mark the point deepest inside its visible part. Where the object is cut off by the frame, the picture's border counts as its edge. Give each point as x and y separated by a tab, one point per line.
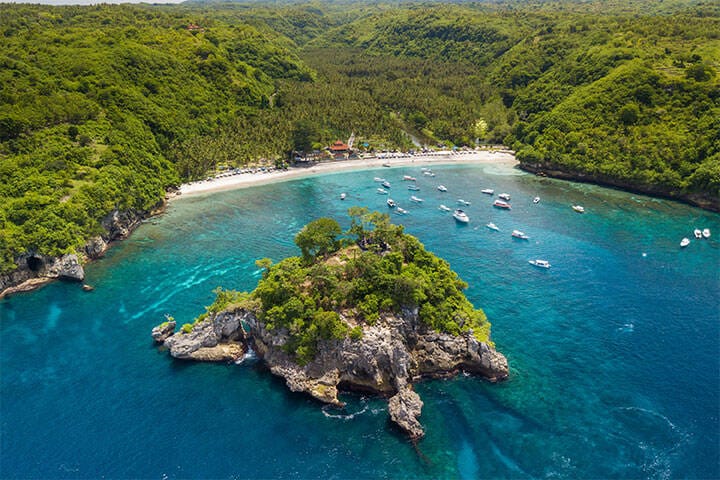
245	180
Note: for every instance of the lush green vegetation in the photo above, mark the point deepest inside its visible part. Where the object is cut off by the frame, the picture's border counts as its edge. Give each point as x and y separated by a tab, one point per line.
340	284
105	107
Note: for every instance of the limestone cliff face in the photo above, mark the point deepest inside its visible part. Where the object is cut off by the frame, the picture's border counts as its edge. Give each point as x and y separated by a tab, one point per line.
34	269
389	357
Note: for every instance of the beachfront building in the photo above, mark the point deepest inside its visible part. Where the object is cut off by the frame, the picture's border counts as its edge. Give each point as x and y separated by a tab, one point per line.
339	149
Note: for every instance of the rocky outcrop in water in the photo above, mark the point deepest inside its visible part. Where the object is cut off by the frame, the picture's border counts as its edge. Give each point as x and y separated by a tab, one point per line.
216	339
390	356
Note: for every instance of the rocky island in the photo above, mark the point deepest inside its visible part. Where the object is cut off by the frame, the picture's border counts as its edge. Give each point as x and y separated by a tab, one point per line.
372	312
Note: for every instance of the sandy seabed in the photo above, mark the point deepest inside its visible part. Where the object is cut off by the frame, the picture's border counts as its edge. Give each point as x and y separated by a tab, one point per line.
243	180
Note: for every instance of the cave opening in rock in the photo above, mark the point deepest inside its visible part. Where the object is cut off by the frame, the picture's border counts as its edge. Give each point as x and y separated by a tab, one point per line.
35	263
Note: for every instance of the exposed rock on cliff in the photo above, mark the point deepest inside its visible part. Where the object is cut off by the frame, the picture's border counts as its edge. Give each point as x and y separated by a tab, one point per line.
395	352
34	269
216	339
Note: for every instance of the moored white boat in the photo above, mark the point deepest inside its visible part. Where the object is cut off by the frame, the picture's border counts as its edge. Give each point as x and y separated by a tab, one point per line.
445	209
382	191
520	235
685	242
540	263
536	200
488	191
416	199
385	184
698	233
460	201
428	173
378	179
442	188
414	188
461	216
342	196
391	203
578	208
401	211
706	233
504	196
408	178
492	226
501	204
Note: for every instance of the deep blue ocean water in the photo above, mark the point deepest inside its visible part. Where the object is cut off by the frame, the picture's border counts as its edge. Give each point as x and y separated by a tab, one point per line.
614	351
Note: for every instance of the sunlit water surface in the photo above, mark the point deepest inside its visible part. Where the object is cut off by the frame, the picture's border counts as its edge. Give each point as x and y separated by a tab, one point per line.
613	351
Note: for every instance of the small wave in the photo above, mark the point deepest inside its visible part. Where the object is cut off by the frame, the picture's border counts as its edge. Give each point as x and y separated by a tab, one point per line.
249	356
343	416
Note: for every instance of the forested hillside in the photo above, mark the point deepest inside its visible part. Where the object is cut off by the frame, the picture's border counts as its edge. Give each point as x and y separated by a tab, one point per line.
103	107
99	105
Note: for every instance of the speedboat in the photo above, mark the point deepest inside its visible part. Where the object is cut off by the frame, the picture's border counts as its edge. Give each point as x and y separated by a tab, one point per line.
391	203
408	178
488	191
684	242
378	179
578	208
428	173
385	184
382	191
697	233
501	204
461	216
414	188
706	233
492	226
416	199
540	263
401	211
445	209
520	235
536	200
504	196
463	202
342	196
442	188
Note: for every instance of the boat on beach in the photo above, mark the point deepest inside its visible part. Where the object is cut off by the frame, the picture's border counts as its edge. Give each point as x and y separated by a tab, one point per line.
501	204
578	208
520	235
445	208
460	216
684	242
539	263
492	226
416	199
487	191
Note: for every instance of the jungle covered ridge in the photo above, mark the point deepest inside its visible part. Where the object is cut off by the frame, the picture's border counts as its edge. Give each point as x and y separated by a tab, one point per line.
105	107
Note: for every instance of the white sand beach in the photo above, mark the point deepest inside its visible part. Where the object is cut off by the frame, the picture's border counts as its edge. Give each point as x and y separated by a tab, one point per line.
243	180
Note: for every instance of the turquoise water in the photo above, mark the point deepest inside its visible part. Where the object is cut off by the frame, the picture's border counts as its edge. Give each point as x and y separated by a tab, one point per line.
613	351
